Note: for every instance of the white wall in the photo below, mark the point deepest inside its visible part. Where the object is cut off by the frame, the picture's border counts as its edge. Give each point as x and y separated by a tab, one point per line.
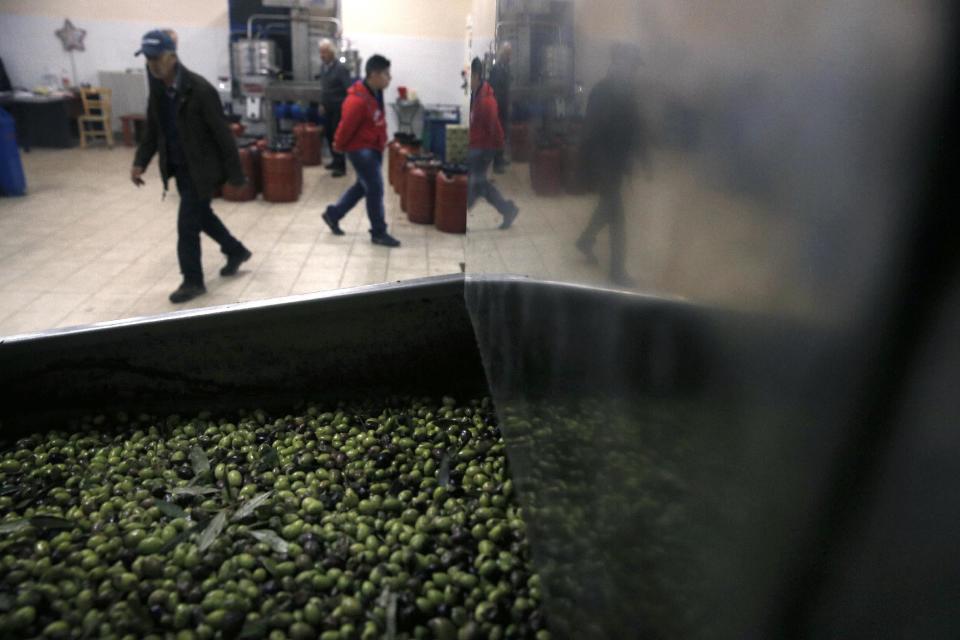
30	49
431	67
424	41
484	13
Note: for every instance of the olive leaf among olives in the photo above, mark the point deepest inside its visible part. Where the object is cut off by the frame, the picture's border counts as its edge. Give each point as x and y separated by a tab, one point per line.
169	509
271	539
248	508
44	523
192	491
209	535
199	460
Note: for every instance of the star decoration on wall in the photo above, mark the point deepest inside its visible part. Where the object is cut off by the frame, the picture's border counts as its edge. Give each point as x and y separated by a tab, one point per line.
71	37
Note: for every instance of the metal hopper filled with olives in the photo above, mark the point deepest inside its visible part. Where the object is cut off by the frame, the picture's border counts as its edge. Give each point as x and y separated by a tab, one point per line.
395	520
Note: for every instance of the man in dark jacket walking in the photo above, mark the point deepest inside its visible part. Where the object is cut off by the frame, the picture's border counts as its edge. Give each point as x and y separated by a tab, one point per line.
362	135
613	141
185	124
500	82
335	81
486	139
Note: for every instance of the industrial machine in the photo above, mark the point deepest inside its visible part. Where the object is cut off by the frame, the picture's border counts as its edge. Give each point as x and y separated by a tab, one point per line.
543	88
275	60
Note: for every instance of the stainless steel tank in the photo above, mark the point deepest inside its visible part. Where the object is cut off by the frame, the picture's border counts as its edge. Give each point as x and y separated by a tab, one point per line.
557	64
351	58
255	57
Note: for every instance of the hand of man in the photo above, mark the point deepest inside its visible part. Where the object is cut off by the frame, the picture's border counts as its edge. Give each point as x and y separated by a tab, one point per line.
135	175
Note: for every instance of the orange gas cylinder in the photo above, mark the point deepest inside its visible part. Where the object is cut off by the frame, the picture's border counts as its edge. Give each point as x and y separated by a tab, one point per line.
450	212
421	185
249	162
546	172
310	142
520	145
281	175
237	129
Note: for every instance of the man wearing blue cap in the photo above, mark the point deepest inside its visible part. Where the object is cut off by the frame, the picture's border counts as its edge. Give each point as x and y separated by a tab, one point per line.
186	126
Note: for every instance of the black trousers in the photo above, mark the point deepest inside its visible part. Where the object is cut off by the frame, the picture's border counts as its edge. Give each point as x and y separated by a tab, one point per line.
195	215
332	112
609	212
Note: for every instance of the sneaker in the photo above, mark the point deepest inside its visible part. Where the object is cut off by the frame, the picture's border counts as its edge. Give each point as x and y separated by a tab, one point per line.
499	169
509	216
234	262
385	240
333	224
187	291
338	173
586	248
331	166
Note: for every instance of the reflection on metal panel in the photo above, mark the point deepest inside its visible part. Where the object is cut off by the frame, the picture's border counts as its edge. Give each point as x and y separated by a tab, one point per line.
690	459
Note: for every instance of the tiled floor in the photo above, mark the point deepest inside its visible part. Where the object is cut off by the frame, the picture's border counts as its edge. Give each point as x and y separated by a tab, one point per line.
86	246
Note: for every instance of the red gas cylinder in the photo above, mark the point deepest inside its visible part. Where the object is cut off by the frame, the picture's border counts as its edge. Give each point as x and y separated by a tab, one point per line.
249	161
421	186
257	154
298	156
405	174
281	175
392	150
237	129
450	213
573	180
546	172
310	142
411	162
403	152
520	146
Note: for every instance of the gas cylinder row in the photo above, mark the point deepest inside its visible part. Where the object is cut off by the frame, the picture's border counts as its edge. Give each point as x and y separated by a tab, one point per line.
555	167
430	192
275	171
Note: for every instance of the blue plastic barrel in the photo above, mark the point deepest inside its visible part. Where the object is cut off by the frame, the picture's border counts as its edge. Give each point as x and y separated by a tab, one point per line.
435	129
12	180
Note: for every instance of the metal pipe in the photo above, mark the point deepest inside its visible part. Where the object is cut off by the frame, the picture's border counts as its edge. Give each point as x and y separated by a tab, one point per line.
528	23
276	16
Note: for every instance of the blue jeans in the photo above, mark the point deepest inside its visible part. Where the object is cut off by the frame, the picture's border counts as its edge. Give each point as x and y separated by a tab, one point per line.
369	185
478	161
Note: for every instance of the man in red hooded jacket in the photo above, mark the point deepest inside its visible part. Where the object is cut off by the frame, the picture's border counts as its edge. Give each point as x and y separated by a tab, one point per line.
362	136
486	139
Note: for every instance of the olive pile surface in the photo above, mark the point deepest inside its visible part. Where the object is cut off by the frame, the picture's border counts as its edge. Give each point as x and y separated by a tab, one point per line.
395	520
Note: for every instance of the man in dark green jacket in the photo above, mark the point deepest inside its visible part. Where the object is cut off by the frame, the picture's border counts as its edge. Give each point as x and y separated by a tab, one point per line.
186	126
